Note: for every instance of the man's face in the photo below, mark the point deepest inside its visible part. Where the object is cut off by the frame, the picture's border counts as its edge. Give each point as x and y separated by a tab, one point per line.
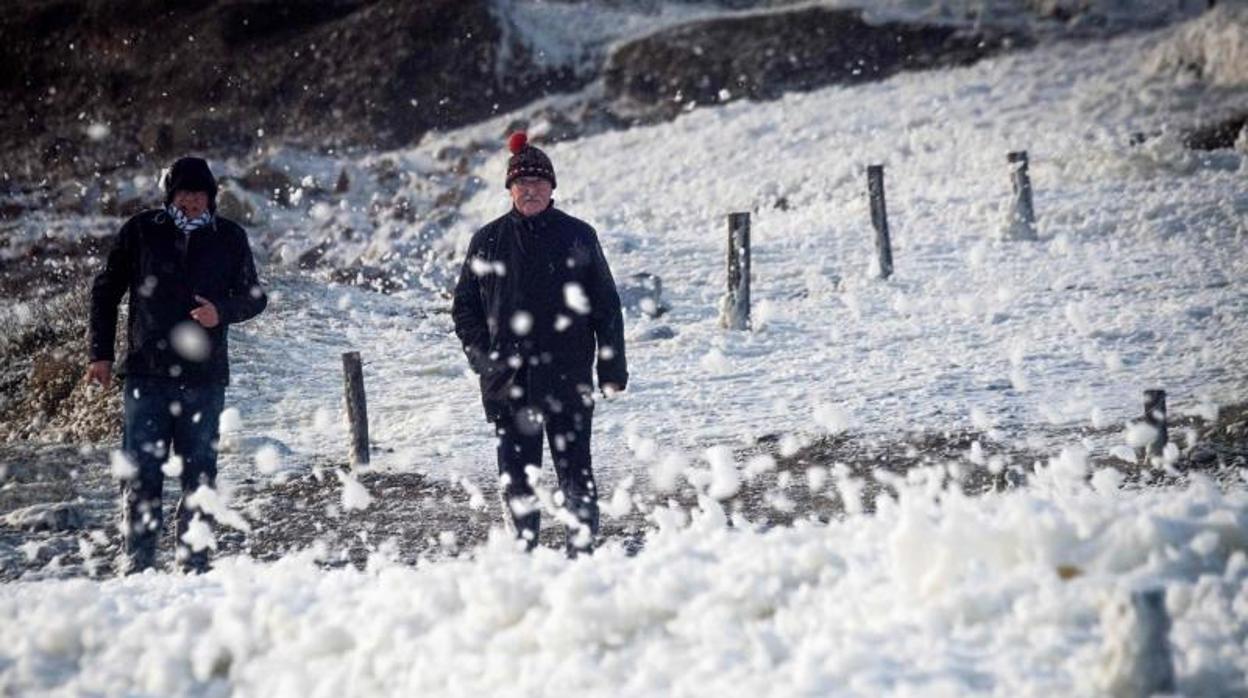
192	203
531	195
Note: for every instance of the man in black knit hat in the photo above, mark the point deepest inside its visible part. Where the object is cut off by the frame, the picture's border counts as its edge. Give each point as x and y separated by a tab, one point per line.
190	275
534	308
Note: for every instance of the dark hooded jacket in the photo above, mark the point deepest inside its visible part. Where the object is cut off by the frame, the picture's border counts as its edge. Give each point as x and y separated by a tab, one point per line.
163	269
534	306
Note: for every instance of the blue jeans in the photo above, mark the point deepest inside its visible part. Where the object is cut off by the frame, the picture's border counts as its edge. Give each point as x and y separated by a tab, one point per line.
161	415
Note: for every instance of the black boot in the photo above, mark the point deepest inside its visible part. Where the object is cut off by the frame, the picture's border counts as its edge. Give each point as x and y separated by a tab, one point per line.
580	539
141	525
190	560
523	518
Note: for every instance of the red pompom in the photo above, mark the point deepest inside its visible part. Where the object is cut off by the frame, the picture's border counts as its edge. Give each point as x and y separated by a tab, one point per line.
517	141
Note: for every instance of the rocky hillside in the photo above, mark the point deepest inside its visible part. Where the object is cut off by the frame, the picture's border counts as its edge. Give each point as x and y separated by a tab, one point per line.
105	84
96	86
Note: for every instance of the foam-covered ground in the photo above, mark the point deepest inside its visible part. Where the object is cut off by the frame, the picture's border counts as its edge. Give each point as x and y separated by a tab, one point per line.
1018	594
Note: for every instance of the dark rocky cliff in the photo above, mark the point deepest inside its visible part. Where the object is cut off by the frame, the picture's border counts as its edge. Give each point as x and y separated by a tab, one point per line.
167	77
94	86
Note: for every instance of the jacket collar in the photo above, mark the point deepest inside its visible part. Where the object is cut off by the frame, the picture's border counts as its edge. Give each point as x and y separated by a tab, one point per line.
536	222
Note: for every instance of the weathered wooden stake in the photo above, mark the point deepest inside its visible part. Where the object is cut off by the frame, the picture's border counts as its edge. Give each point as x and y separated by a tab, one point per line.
1155	416
736	312
879	219
1022	211
357	409
1157	666
1136	657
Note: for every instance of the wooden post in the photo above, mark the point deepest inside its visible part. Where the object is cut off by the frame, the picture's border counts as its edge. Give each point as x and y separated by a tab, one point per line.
879	219
357	409
1022	210
1156	664
1155	416
736	311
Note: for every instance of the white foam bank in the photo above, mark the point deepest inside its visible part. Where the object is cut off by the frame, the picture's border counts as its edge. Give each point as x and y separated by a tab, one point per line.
934	595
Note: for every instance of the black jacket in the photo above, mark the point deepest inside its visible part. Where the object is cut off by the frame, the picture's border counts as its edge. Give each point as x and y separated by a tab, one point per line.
163	269
519	265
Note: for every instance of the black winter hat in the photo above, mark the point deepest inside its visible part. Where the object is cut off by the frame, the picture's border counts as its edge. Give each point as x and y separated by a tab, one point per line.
527	161
191	174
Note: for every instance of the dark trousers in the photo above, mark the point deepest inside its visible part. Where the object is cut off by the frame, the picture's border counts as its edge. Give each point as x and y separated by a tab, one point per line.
567	426
163	415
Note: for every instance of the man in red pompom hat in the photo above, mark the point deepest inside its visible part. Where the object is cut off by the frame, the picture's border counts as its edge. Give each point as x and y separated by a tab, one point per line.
536	309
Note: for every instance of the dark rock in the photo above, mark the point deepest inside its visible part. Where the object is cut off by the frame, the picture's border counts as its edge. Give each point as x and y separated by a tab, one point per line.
312	257
451	153
451	198
1216	136
1212	136
267	179
371	277
643	293
388	174
656	333
234	205
763	56
1203	457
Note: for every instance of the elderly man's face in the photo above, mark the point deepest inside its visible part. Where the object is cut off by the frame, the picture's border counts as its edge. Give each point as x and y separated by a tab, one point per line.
531	195
192	203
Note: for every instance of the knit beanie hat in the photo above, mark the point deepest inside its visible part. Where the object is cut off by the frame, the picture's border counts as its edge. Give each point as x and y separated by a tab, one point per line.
527	161
191	174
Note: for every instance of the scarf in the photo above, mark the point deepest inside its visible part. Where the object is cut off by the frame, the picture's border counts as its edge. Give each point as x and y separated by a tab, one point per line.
186	225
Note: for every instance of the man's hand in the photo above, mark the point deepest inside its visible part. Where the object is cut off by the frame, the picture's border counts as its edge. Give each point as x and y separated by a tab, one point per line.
101	372
610	390
206	313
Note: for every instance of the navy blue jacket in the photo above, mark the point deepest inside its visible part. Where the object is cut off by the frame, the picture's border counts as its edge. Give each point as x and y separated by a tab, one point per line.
163	270
534	306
